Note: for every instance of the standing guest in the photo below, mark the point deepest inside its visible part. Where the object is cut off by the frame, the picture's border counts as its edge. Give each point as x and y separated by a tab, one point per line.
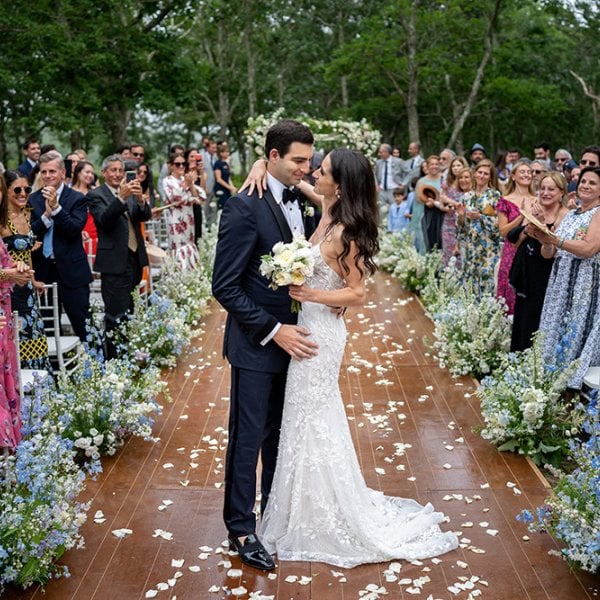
181	194
417	225
434	215
164	169
502	170
31	149
138	155
519	194
541	152
118	208
400	212
478	225
224	188
512	156
412	165
572	296
396	152
195	167
58	216
538	168
590	157
71	162
476	154
10	274
19	240
84	181
388	175
144	176
209	157
452	192
561	156
530	270
124	151
446	157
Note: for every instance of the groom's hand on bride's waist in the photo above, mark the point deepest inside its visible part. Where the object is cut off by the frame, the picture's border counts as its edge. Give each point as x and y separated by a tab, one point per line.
296	342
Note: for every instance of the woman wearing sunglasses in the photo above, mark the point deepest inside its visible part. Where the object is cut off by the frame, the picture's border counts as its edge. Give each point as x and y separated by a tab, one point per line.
181	194
20	242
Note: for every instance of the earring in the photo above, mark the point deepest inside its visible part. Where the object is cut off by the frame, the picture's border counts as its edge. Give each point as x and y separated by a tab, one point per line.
338	194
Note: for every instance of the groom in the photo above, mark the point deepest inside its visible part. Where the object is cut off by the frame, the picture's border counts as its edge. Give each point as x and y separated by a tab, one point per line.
261	332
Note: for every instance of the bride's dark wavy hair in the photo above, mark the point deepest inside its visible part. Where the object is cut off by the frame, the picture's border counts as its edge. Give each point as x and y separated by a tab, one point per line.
356	208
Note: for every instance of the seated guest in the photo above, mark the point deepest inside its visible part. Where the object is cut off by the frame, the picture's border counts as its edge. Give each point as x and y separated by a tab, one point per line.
20	241
58	216
118	208
572	297
532	263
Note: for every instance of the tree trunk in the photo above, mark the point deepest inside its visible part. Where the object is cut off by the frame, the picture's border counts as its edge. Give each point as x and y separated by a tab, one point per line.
488	43
341	40
118	125
595	98
412	96
250	61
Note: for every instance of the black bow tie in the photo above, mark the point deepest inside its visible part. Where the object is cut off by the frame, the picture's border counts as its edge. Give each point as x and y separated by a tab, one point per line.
290	195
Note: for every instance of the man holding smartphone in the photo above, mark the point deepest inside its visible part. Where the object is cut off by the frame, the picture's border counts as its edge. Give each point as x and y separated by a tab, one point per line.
118	208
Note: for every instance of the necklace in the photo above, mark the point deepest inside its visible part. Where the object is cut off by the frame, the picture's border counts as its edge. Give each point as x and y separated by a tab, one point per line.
582	210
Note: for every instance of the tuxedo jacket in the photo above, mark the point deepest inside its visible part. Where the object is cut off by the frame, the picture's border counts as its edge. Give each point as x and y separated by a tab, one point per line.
249	228
398	171
110	217
71	260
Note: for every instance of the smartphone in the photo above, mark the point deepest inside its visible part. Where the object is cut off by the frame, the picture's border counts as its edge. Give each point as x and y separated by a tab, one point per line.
130	175
68	168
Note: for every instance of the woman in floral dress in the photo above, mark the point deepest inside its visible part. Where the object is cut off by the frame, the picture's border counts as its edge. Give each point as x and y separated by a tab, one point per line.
519	194
572	303
181	194
478	230
20	241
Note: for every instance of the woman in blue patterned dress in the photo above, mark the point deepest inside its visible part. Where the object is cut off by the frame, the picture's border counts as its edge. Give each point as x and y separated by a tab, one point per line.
573	292
478	230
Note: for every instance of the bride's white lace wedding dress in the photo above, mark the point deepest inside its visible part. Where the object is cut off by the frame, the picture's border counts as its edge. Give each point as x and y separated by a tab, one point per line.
320	508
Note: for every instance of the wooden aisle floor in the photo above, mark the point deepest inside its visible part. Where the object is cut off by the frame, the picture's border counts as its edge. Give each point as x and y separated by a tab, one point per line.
395	393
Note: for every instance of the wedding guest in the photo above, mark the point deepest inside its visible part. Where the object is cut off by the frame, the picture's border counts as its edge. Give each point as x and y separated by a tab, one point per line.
19	241
561	156
195	167
32	152
400	212
519	194
531	267
181	194
164	169
572	297
84	181
452	193
538	168
478	226
416	226
389	174
224	188
433	216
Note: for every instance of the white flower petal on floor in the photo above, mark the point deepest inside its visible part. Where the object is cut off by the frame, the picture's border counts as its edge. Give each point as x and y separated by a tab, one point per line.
122	533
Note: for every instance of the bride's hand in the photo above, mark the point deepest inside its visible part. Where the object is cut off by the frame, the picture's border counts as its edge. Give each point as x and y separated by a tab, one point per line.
257	178
302	293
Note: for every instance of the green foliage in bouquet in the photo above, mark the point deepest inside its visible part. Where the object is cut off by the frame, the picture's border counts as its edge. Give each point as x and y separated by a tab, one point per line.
524	408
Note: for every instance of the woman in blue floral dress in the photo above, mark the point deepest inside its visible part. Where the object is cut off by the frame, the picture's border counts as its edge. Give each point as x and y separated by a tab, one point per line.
477	231
572	303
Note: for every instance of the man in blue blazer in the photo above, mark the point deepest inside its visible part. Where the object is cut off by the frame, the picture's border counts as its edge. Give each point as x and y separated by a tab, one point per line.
261	332
118	209
58	215
31	149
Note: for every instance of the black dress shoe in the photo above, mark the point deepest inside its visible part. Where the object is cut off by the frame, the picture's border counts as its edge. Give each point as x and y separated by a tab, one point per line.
252	552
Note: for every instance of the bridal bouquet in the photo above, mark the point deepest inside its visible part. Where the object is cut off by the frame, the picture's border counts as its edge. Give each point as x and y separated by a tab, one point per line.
290	264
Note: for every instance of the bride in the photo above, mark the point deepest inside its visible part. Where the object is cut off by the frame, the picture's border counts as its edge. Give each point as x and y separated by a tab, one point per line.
319	507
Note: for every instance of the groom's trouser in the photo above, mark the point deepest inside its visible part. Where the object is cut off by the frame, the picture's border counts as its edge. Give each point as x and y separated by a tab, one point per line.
256	405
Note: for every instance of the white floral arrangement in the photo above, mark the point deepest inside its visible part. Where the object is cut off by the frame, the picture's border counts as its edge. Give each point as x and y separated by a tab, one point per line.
471	336
289	264
358	135
524	408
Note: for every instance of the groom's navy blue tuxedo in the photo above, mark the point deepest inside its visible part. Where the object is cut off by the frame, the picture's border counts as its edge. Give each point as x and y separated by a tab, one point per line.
249	229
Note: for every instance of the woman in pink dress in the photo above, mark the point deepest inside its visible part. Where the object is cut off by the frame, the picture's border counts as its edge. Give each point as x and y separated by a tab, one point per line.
10	400
518	194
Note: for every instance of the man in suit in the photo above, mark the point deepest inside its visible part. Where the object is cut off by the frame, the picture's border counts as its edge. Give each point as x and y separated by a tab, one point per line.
412	165
118	208
261	332
389	174
31	149
58	215
209	156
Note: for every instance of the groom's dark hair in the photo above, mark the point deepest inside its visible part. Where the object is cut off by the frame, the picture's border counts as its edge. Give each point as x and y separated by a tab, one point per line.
284	133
